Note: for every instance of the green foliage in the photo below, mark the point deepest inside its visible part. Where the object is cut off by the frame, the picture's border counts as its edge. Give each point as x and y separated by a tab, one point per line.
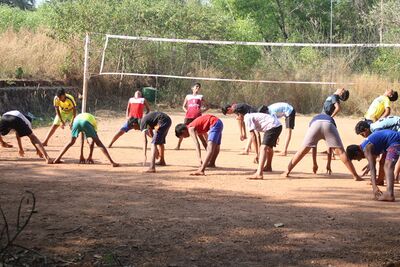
19	72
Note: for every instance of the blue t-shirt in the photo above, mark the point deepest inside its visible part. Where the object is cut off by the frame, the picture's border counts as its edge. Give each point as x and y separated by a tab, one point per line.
390	123
329	104
280	109
381	140
322	117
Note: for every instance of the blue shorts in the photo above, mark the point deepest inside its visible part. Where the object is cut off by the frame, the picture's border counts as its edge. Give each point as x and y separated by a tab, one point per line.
215	133
161	133
126	127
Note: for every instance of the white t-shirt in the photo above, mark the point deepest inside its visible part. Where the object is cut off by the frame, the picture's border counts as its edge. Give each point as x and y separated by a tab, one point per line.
18	114
261	122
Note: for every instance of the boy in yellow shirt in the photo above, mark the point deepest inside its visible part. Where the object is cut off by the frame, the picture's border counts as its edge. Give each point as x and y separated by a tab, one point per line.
65	107
380	107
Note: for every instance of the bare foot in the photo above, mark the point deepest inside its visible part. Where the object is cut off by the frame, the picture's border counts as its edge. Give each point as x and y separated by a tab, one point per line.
358	179
6	145
177	148
161	163
255	177
285	174
109	146
267	169
198	173
57	161
386	197
150	170
255	160
211	165
44	144
283	154
114	164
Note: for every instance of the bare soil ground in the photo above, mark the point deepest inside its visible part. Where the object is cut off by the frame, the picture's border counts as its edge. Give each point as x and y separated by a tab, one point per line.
96	215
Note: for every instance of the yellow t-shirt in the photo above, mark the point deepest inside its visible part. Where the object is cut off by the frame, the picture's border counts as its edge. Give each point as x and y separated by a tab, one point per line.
67	106
87	117
377	108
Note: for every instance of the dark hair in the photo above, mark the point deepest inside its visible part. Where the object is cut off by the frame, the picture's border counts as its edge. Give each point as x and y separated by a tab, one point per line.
179	128
225	109
345	95
4	130
60	92
352	151
394	96
263	109
361	126
198	84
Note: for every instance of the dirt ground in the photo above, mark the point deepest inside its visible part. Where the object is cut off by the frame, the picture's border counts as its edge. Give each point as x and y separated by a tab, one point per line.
98	215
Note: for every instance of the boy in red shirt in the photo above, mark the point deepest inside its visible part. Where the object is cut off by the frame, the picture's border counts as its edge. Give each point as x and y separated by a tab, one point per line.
193	105
134	110
200	127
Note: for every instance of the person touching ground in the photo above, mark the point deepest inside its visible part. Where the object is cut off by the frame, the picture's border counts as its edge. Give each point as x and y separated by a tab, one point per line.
134	110
387	143
322	126
272	128
21	124
201	126
86	124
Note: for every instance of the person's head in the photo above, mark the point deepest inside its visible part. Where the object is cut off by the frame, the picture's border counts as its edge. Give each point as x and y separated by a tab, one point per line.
61	95
263	109
196	88
344	94
138	94
363	128
181	130
227	109
394	96
4	129
354	152
134	123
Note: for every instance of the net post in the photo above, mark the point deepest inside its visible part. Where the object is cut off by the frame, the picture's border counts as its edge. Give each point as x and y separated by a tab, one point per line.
85	73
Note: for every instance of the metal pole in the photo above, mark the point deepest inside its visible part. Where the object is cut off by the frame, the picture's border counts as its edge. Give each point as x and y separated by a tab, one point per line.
381	24
85	74
330	41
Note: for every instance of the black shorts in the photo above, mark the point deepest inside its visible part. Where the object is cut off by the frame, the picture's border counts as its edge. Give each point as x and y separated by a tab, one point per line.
289	121
188	120
271	136
17	124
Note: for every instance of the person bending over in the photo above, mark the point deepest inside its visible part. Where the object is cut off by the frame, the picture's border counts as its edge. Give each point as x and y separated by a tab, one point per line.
272	128
387	143
21	124
86	124
65	107
135	108
322	126
201	126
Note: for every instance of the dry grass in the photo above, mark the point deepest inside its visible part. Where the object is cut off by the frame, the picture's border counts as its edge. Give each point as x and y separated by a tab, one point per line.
40	56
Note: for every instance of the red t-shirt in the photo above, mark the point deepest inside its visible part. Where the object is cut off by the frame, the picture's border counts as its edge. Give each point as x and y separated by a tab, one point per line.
136	106
193	106
203	123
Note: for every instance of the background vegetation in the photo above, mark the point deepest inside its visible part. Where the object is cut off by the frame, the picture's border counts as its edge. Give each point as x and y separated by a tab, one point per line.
47	43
